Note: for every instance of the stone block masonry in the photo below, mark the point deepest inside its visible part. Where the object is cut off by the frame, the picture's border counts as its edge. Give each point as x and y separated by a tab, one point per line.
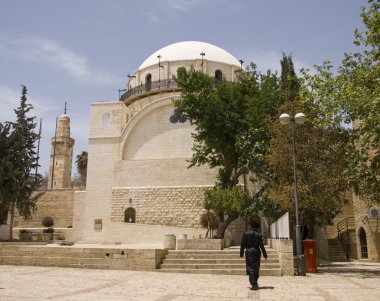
57	203
165	206
77	257
200	244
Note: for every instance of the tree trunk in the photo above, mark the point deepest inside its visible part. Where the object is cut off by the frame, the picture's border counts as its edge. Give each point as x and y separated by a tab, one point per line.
224	225
11	221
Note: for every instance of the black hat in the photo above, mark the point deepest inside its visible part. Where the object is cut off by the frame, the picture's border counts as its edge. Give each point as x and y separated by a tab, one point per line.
254	223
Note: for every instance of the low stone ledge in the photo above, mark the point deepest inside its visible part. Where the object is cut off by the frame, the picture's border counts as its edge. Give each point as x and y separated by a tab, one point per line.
284	248
101	258
200	244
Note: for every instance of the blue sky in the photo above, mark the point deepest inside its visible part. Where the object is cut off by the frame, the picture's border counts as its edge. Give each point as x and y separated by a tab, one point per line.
81	51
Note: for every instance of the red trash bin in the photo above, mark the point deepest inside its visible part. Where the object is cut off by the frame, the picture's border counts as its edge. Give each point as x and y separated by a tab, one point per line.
310	252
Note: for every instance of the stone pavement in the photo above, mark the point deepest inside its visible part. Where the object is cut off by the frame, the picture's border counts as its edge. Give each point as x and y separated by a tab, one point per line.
333	282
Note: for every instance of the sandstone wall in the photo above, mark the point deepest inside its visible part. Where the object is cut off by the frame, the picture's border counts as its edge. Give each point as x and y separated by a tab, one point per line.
371	228
165	206
57	203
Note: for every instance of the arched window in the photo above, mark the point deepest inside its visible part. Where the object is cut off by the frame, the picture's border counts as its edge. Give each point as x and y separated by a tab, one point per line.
218	75
130	215
363	243
148	82
106	120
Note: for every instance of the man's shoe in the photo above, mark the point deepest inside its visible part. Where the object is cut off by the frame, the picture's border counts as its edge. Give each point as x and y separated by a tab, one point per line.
255	287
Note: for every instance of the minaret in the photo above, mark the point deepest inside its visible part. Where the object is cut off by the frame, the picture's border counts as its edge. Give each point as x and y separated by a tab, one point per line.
61	154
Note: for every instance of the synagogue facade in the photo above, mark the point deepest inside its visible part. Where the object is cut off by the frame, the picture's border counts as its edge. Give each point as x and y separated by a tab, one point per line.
139	186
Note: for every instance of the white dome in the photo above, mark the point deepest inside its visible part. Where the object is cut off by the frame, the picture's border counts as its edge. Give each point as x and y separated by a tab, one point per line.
190	50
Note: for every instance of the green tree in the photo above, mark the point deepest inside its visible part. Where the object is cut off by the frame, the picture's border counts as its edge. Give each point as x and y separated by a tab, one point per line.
6	171
352	96
24	161
230	133
81	162
321	158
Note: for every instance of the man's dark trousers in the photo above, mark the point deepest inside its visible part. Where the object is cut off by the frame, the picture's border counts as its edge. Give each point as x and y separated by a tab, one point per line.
252	243
252	260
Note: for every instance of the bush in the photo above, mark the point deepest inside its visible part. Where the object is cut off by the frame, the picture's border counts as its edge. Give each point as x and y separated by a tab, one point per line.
209	219
24	231
60	237
48	221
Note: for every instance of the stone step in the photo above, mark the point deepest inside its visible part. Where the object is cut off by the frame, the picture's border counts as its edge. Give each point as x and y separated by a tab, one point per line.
336	252
225	251
263	272
226	262
202	266
209	256
216	261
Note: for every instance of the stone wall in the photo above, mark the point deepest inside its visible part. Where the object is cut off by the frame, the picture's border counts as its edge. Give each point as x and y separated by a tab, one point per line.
75	257
284	248
57	203
165	206
371	228
200	244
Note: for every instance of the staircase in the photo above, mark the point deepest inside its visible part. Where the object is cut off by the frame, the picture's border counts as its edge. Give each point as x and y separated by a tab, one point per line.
226	262
336	252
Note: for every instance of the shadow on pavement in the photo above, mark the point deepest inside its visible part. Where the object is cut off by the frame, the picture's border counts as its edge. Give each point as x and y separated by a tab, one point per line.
354	269
266	287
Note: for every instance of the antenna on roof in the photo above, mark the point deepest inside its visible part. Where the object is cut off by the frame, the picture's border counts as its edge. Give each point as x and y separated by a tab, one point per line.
65	107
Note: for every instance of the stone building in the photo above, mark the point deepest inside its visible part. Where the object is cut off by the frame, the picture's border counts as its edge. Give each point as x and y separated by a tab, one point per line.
138	184
61	155
58	200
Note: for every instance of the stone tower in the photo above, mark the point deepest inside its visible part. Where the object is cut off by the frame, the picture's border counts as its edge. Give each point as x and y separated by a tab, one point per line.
61	155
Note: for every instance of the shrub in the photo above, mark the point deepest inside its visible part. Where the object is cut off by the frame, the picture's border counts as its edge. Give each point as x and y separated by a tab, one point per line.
209	220
48	221
24	231
60	237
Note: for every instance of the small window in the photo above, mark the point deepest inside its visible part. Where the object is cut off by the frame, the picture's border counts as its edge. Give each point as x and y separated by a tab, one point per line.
106	120
130	215
218	75
148	82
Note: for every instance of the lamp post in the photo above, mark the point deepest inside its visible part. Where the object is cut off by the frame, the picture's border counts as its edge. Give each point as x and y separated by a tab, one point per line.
285	119
202	54
241	64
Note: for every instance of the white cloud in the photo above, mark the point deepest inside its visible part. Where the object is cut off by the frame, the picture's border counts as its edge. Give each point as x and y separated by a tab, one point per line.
168	9
52	53
10	100
179	5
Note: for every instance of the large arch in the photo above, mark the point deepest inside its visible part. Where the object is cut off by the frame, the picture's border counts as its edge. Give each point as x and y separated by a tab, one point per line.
151	134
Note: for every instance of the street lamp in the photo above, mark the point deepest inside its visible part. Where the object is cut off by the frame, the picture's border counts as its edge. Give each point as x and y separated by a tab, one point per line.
202	54
285	119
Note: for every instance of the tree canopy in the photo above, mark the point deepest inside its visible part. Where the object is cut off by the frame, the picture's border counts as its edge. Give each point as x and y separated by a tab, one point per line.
81	162
18	178
230	130
351	95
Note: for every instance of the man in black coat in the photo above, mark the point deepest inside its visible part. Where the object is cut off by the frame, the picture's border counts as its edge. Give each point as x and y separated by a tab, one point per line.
252	243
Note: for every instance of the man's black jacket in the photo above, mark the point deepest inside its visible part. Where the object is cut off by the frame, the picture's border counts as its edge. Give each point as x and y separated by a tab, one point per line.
252	239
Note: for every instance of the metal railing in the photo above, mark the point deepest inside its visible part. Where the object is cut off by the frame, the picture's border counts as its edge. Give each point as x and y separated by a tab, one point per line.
343	228
149	87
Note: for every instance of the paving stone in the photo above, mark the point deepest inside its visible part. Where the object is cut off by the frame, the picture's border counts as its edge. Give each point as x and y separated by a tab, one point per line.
334	282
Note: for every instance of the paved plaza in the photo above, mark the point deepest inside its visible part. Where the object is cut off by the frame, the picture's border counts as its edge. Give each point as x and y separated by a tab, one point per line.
349	281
